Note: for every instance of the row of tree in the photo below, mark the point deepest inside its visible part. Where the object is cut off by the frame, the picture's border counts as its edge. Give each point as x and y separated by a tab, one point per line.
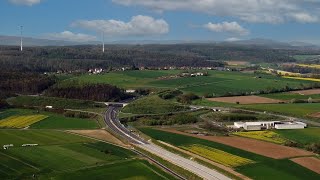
95	92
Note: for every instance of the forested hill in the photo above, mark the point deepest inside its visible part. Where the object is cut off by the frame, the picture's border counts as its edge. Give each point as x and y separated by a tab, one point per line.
50	59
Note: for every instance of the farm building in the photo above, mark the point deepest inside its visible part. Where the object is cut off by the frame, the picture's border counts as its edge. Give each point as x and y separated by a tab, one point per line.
263	125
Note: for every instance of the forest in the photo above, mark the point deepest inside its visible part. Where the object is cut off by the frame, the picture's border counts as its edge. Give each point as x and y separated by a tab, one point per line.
82	58
95	92
15	82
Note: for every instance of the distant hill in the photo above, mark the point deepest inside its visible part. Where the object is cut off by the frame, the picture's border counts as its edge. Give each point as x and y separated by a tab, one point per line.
28	41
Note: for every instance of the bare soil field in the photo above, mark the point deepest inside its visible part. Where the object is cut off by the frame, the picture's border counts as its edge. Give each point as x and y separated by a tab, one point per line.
307	92
255	146
99	134
246	100
311	163
315	115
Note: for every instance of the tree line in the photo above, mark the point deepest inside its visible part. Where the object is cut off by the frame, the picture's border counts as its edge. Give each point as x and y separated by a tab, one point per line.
24	82
94	92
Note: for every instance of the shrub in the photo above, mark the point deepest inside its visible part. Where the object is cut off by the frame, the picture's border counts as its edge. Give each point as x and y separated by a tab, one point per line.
187	98
314	147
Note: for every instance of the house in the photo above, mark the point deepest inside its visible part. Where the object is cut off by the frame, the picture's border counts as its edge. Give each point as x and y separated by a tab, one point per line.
5	147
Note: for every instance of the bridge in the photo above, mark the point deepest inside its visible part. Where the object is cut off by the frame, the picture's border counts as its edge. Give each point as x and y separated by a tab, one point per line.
117	104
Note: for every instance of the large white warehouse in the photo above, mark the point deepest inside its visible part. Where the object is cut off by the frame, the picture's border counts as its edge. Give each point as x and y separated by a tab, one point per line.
263	125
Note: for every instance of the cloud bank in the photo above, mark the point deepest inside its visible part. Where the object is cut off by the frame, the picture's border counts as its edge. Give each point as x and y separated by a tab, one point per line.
227	27
25	2
137	26
70	36
255	11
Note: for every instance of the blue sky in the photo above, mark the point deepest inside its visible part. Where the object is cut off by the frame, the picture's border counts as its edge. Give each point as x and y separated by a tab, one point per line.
86	20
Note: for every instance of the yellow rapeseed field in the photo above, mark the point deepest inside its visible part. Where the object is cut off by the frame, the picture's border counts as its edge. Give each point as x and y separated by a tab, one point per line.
286	73
21	121
218	156
269	136
317	66
301	78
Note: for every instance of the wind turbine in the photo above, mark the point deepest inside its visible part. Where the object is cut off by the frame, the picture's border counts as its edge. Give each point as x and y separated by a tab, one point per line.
103	42
21	40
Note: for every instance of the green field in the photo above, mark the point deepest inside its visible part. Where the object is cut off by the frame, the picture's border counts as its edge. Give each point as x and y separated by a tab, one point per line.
265	168
298	110
305	57
54	121
152	105
42	101
60	155
217	82
41	137
290	96
304	136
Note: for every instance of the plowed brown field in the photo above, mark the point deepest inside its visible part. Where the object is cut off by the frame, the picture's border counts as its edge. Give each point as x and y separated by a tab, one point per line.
255	146
99	134
311	163
246	100
307	92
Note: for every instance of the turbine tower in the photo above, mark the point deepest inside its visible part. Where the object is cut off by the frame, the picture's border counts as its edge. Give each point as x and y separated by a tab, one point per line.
21	41
103	42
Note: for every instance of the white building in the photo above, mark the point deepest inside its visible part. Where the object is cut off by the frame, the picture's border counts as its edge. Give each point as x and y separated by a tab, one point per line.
263	125
130	91
291	125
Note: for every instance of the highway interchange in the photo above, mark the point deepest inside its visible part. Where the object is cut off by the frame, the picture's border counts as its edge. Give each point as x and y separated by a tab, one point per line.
114	124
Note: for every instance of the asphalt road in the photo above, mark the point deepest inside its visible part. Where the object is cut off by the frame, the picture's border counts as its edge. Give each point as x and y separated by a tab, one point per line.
113	122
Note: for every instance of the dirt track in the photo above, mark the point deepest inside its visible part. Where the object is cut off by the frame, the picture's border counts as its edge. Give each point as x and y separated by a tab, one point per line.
99	134
307	92
311	163
259	147
245	100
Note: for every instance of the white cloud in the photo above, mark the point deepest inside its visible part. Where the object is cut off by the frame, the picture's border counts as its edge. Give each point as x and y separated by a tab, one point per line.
304	18
232	39
257	11
137	26
228	27
25	2
70	36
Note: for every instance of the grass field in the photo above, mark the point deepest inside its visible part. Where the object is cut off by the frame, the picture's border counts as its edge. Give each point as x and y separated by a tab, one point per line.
60	155
298	110
140	170
21	121
41	137
217	82
42	101
265	168
269	136
49	120
306	57
290	96
152	105
217	155
304	136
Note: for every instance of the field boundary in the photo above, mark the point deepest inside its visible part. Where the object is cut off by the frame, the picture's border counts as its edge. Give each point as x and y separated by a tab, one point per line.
20	161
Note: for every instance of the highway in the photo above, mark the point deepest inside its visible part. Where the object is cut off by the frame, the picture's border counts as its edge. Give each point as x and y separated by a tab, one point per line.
114	124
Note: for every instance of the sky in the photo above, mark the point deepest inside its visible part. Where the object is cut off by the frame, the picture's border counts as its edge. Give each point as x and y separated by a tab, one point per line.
187	20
